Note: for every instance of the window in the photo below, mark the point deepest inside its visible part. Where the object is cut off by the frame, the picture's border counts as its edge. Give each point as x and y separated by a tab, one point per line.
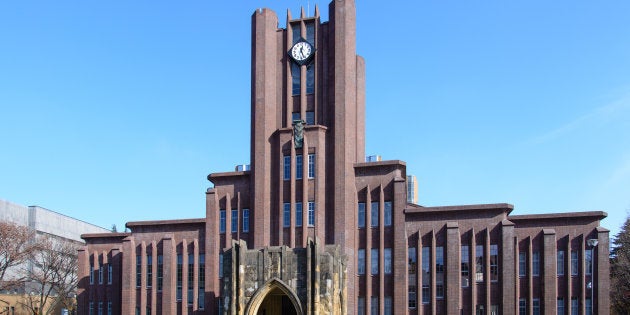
148	310
138	270
310	32
412	267
298	214
91	308
298	167
588	259
191	277
110	273
149	270
574	305
234	221
245	220
439	272
494	263
296	116
374	305
311	163
201	281
220	304
560	306
361	261
479	263
310	118
388	305
374	213
536	307
479	310
361	214
535	264
588	303
311	213
465	256
180	276
387	256
310	79
91	274
287	167
221	221
109	308
361	306
574	263
374	261
426	274
522	264
560	263
388	213
160	272
494	309
296	76
522	307
287	215
100	273
100	309
220	265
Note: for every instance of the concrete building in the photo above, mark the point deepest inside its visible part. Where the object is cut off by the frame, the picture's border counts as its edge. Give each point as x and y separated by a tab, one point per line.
314	228
43	222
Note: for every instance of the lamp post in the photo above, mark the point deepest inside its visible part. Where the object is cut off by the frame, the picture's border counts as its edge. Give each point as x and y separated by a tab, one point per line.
592	243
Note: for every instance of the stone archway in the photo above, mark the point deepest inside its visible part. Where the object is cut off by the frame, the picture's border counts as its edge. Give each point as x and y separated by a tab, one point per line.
275	297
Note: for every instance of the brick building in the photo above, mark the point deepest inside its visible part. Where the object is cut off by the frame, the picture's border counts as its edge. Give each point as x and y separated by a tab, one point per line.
312	228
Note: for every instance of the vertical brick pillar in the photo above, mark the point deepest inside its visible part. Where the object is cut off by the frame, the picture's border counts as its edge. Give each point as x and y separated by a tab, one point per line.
116	261
509	274
452	280
400	251
602	267
83	276
169	252
129	282
549	272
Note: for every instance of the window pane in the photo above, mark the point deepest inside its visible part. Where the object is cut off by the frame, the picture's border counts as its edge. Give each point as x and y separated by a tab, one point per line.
296	74
361	214
465	268
298	214
374	261
522	264
479	263
574	263
298	167
536	263
361	261
287	214
388	213
221	221
311	213
245	220
387	256
311	164
287	167
234	221
494	262
560	263
374	213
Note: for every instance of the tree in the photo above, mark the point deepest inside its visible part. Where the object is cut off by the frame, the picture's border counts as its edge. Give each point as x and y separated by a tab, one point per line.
52	276
620	271
16	246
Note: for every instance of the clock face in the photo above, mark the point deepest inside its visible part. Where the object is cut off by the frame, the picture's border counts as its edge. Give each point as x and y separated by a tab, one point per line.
301	51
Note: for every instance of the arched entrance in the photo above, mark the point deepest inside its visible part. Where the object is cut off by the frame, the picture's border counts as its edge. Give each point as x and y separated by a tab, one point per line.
274	298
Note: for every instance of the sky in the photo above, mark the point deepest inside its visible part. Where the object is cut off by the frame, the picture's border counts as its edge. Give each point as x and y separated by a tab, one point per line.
116	111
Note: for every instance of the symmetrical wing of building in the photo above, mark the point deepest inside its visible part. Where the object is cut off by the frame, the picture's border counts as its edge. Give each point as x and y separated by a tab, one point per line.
310	227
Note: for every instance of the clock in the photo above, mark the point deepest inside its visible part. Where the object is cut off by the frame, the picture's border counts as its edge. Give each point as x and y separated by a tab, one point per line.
302	52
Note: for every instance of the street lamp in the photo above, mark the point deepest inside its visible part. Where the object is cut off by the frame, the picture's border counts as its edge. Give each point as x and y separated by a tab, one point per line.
592	243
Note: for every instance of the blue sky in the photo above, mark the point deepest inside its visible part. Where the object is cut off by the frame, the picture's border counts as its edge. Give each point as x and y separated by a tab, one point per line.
116	111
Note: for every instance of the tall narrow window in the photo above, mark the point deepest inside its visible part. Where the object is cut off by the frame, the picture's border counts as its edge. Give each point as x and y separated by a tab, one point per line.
479	263
374	213
560	263
160	272
361	261
138	270
522	307
191	277
535	264
298	214
413	273
388	305
494	262
574	306
296	116
560	306
91	273
91	308
149	270
465	256
522	264
110	273
387	257
310	118
298	167
287	168
286	218
100	273
310	79
588	259
536	306
426	275
374	305
311	165
296	76
201	301
374	261
100	309
574	263
388	213
361	214
361	306
245	220
589	306
221	221
439	272
220	304
311	213
234	221
180	276
109	308
220	265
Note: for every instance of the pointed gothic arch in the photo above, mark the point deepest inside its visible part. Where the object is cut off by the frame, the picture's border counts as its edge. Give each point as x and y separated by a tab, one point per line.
269	287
